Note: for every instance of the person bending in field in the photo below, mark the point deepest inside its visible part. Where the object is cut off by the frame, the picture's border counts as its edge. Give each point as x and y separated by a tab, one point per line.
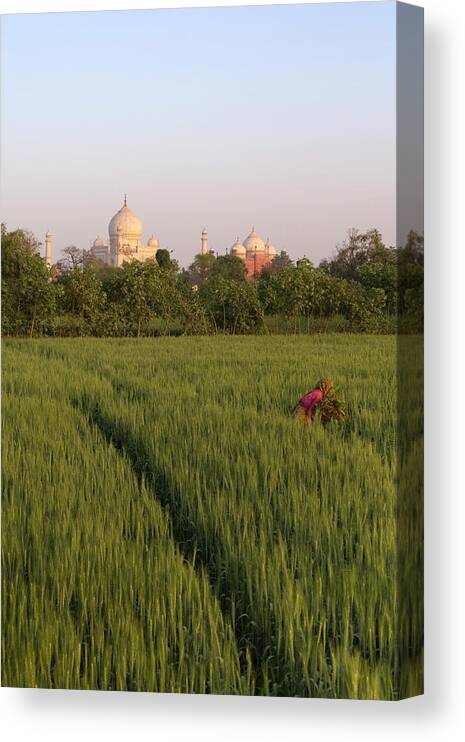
306	407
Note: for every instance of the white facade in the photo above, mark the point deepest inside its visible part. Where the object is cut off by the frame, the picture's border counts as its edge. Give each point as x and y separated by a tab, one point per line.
48	249
125	240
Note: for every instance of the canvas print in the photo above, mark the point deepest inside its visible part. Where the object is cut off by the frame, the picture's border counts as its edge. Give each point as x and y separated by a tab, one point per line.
212	374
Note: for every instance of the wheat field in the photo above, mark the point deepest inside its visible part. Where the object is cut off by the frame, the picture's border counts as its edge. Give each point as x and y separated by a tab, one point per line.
168	526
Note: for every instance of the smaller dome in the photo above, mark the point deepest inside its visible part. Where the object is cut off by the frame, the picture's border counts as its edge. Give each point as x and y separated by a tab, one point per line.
98	242
270	249
254	243
238	249
48	233
153	242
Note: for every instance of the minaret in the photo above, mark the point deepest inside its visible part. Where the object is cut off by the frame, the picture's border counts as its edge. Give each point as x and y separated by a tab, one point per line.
48	249
204	242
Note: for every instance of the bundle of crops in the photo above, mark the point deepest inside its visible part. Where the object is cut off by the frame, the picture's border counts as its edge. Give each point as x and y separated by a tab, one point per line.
330	407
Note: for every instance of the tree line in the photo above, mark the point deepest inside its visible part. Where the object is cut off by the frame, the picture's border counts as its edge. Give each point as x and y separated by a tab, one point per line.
364	287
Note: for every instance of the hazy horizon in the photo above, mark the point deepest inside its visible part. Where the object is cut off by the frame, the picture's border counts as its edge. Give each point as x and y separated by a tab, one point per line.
281	117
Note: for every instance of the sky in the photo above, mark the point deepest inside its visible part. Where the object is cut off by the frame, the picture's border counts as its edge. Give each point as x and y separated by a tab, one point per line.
278	117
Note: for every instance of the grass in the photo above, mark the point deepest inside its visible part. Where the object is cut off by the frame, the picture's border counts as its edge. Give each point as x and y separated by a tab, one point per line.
167	526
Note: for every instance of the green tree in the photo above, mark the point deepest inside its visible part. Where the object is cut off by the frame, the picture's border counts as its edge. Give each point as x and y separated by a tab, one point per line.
28	295
229	267
104	272
364	258
191	309
382	273
233	306
411	280
355	251
83	297
365	307
145	292
165	261
286	294
326	300
133	287
201	269
414	247
281	260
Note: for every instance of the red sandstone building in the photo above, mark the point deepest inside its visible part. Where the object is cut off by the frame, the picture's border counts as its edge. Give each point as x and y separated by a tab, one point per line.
255	253
255	264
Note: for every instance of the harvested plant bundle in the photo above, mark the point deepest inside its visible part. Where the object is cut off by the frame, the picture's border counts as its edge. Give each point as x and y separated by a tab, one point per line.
331	407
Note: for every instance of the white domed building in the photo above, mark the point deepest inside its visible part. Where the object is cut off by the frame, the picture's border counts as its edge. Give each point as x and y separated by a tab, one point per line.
125	240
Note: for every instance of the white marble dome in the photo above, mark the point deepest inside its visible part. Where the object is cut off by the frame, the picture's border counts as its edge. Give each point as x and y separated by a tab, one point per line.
254	243
125	222
153	242
98	242
238	249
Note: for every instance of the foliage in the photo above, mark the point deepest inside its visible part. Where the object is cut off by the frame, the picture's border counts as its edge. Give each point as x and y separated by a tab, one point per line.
234	307
208	266
366	287
193	313
135	288
28	296
74	258
280	261
229	267
165	261
363	258
200	270
82	296
354	252
330	408
289	291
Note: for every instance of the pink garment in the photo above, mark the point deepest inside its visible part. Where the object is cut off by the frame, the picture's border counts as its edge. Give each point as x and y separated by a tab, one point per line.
310	400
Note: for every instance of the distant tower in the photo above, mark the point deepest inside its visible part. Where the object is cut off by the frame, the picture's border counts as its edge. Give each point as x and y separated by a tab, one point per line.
204	242
48	249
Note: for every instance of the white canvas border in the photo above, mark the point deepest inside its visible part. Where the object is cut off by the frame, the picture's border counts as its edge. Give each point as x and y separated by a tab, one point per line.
74	715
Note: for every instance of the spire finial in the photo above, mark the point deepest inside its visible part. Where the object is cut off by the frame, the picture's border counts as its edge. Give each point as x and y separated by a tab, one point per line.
125	200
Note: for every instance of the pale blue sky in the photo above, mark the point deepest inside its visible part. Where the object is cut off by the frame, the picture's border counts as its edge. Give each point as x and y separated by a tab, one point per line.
282	117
